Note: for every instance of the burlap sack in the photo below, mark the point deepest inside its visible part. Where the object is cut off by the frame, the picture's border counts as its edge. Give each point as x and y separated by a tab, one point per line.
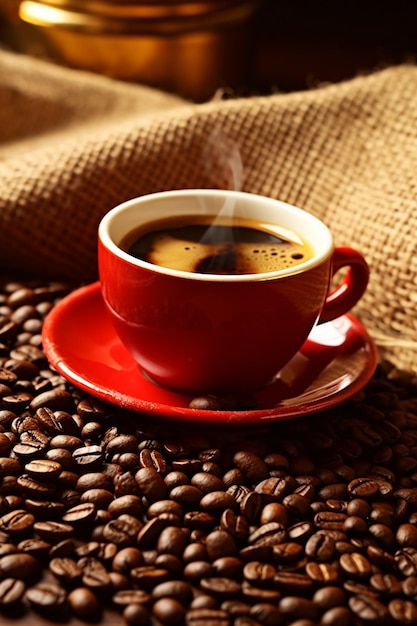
74	145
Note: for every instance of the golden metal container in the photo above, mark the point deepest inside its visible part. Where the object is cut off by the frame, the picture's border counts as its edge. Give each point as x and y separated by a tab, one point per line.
187	47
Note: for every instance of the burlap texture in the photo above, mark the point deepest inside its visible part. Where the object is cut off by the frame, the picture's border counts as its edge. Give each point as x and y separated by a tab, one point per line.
74	145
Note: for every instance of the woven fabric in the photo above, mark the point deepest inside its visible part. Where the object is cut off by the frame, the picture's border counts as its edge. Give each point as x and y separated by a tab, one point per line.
73	145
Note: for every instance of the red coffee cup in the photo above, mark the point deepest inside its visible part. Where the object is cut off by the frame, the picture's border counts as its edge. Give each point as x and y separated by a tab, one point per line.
210	333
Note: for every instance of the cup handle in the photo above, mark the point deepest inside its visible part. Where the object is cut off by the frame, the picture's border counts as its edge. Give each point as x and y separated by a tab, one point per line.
341	299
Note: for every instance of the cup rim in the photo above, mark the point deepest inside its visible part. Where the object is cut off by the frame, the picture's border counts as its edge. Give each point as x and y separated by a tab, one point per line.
106	240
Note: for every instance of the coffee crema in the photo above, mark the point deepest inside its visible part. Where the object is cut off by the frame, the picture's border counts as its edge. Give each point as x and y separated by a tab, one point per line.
213	245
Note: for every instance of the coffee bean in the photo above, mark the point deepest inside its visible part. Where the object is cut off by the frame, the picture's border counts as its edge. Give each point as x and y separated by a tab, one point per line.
151	484
236	525
268	535
84	603
16	522
220	543
368	608
48	597
295	607
273	489
43	469
169	611
406	561
287	553
124	597
217	501
53	531
329	520
320	547
19	565
55	399
148	576
207	617
293	582
337	616
266	614
11	591
259	573
323	573
221	587
329	597
403	611
253	468
66	571
355	564
406	535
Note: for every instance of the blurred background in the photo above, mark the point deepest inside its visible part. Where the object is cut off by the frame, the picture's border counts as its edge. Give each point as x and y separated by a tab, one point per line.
195	49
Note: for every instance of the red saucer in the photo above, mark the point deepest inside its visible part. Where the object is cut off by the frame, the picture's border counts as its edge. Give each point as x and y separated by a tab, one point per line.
335	362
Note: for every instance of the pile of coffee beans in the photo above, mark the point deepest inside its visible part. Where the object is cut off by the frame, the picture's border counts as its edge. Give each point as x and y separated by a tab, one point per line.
105	512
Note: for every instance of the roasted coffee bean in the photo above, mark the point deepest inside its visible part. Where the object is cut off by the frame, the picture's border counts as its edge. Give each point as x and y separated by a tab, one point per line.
294	607
36	547
84	603
11	591
148	576
46	597
403	611
228	567
409	587
320	547
88	456
172	540
328	597
220	543
355	564
406	561
151	484
300	531
19	565
268	535
80	514
198	569
274	512
169	611
16	522
274	488
259	573
66	571
336	616
293	582
368	608
45	509
406	535
186	494
217	501
52	531
322	573
287	552
220	587
201	520
328	520
386	584
122	532
253	468
55	399
43	469
236	525
207	482
207	617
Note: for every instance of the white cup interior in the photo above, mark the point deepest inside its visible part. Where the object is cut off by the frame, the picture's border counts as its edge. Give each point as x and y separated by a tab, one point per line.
124	218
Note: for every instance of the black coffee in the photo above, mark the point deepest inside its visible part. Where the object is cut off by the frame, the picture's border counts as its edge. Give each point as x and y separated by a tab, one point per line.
201	246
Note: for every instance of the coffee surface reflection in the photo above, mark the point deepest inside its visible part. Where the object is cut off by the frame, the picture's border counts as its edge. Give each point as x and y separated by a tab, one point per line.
210	246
